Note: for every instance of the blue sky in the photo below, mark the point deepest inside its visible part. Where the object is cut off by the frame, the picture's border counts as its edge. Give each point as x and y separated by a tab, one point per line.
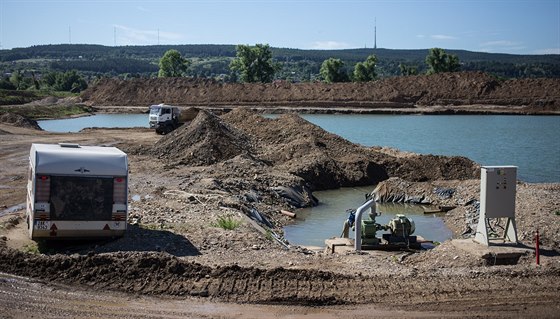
512	26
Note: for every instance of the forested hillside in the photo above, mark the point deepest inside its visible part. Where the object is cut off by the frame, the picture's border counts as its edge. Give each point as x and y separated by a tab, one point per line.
213	61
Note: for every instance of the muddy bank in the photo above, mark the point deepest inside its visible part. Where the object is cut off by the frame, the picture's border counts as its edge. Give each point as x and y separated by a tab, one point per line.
478	92
245	153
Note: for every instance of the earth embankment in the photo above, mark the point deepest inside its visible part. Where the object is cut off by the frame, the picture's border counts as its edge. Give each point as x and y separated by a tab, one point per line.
483	93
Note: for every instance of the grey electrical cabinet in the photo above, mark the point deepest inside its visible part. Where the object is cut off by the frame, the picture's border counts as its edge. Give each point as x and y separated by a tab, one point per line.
497	201
497	191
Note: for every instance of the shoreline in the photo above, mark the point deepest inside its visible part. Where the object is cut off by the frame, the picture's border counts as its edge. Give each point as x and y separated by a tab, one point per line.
281	109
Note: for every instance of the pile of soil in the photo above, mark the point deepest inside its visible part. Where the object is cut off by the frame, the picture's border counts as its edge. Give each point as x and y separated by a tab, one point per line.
290	144
19	120
205	141
444	89
158	273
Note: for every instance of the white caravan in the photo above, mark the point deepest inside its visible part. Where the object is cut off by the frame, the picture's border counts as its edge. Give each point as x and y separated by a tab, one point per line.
76	191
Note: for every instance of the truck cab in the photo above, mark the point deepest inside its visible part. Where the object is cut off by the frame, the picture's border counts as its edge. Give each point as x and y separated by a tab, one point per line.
164	118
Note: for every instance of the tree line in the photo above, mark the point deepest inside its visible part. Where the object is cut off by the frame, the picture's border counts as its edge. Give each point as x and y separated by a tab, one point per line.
255	64
69	81
244	63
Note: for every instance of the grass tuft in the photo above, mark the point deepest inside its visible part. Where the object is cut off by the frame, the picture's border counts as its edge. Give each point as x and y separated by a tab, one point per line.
227	222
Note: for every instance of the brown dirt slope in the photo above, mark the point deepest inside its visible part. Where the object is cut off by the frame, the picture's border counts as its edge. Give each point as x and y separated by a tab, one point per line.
462	88
19	120
290	144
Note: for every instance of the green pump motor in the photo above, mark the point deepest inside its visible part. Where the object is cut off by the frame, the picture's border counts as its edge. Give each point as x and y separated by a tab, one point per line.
401	226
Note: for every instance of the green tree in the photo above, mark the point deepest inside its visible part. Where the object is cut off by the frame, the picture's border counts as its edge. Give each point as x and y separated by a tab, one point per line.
49	79
69	81
365	71
17	80
254	63
332	70
5	84
408	69
439	61
172	64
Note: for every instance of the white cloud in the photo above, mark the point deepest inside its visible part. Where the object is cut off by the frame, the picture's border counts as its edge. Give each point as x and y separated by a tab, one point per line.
140	8
547	51
420	36
329	45
131	36
500	43
502	46
442	37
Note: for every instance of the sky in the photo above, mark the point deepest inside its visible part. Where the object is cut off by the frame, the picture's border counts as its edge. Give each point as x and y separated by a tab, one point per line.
496	26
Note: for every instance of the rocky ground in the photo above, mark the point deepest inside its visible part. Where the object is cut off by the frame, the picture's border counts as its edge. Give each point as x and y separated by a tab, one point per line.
243	166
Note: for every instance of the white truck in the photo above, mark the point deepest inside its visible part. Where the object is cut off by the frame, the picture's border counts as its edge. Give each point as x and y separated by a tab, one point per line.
164	118
76	191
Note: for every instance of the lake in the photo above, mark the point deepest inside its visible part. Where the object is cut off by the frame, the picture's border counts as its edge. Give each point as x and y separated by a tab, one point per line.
530	142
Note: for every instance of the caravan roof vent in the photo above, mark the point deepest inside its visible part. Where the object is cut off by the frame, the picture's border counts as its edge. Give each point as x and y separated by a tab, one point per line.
69	145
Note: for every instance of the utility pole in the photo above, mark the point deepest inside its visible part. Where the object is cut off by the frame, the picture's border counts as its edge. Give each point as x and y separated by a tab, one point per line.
114	36
158	36
375	34
69	34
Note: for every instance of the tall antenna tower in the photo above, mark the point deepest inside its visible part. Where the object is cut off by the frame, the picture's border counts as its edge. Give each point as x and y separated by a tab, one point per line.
69	34
114	36
375	34
158	36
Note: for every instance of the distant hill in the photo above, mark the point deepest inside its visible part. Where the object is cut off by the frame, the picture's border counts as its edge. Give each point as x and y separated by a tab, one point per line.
212	60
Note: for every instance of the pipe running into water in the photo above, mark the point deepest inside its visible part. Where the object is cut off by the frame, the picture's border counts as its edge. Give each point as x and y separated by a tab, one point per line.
358	223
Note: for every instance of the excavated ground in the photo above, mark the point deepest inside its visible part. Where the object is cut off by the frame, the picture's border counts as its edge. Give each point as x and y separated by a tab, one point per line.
460	92
240	165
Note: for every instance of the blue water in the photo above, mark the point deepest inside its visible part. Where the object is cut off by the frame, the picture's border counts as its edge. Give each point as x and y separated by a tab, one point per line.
530	142
98	120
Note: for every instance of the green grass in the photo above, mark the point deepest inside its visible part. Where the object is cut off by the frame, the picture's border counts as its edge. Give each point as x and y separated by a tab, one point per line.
32	248
227	222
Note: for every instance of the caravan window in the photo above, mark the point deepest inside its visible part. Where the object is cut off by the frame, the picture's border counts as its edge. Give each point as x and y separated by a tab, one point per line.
81	198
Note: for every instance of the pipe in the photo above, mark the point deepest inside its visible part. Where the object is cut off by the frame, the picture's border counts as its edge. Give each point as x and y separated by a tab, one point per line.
358	223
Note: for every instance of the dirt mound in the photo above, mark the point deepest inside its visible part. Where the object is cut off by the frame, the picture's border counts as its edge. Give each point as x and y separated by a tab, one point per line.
206	140
19	120
299	147
460	88
159	273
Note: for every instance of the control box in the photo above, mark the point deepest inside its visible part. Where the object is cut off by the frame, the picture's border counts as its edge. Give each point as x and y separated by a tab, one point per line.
497	191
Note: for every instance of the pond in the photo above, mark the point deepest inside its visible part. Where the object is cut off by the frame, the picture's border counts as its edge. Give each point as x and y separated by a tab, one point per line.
98	120
314	225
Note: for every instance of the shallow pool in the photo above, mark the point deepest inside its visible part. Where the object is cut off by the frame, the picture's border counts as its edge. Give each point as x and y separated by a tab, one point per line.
314	225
